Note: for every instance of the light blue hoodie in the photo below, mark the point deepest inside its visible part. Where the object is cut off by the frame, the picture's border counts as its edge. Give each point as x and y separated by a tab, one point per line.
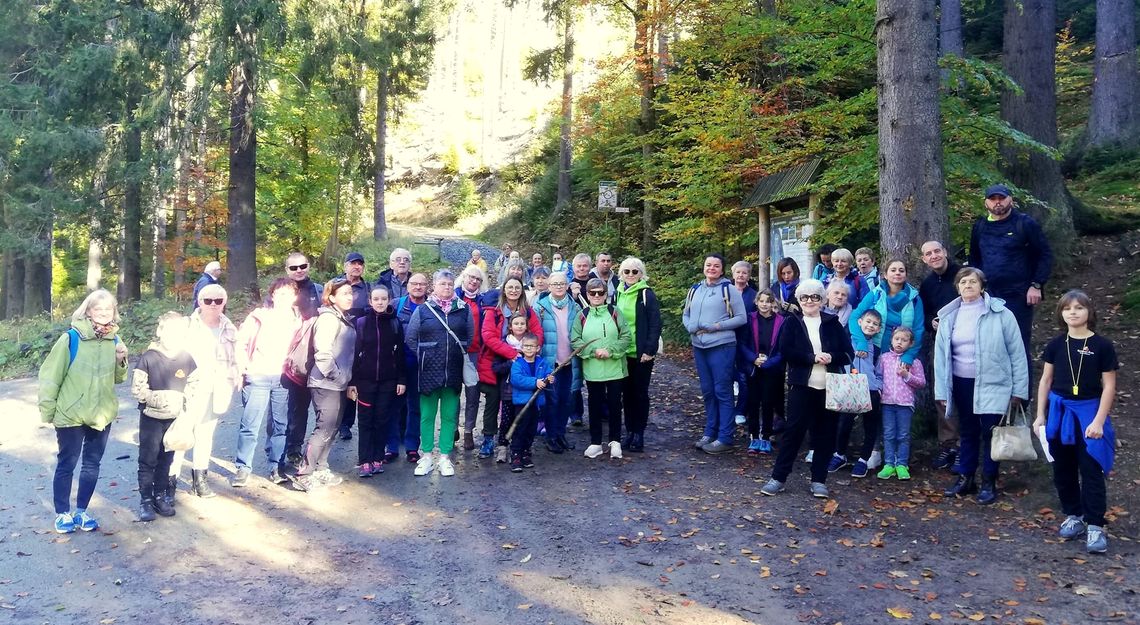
707	308
1002	371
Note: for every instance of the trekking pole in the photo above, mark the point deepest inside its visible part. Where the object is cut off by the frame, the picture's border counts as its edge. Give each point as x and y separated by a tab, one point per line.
574	354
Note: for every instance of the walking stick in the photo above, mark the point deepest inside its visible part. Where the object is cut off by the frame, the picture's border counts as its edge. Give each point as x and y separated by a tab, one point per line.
534	395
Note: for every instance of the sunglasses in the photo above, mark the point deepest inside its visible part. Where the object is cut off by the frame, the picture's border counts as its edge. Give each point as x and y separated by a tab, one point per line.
210	301
630	272
810	298
597	292
298	267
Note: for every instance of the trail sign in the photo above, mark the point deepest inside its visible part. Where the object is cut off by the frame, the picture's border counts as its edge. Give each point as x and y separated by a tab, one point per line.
607	195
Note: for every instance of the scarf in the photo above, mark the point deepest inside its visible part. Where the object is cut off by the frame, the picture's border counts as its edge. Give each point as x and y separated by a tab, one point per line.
559	303
103	330
443	304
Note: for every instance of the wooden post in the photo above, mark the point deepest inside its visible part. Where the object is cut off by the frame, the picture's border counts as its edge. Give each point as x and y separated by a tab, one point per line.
764	264
813	217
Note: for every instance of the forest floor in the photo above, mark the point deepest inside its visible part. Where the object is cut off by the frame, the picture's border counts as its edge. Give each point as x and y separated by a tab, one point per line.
669	536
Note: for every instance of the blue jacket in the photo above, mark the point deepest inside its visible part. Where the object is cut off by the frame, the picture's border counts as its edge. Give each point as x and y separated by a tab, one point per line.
910	314
524	379
706	306
1002	370
1013	252
748	344
1066	415
857	287
868	365
549	350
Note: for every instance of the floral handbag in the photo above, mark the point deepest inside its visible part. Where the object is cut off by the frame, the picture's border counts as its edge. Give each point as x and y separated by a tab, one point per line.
848	393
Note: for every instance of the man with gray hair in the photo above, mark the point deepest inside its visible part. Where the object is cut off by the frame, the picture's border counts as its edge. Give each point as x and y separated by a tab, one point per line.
210	274
395	277
580	268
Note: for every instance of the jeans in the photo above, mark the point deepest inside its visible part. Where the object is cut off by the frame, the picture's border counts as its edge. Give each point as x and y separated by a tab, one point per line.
405	427
377	404
806	414
327	404
974	429
605	397
1079	479
715	367
740	377
74	442
765	400
264	394
896	434
154	459
872	424
635	395
559	404
445	403
298	423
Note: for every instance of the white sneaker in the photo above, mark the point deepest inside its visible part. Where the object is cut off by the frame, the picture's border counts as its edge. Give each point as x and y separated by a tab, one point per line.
741	420
446	468
615	450
876	460
425	465
593	451
810	455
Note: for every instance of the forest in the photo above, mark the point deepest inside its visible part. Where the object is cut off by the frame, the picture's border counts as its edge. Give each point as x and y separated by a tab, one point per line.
141	138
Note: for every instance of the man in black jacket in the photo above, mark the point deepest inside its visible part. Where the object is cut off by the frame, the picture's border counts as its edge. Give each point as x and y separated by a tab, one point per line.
937	290
308	292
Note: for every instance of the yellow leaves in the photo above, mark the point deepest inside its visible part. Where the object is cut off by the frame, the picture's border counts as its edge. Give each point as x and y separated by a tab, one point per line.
934	616
831	506
900	613
1032	620
524	606
765	572
977	616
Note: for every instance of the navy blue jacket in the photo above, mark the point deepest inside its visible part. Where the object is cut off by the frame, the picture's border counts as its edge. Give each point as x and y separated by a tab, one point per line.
938	290
796	348
379	349
1012	252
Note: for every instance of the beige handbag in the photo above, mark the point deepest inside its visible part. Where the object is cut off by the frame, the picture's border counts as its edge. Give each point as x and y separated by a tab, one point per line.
1012	438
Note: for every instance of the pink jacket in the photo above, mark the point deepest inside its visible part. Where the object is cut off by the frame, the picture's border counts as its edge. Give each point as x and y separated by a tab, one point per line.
899	391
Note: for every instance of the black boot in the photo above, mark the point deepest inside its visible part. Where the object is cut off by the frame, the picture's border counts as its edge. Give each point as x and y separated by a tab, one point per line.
171	488
146	507
162	507
636	442
963	485
988	492
200	486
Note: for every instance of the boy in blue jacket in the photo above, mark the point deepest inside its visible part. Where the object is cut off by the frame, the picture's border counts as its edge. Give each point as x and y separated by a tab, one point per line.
528	373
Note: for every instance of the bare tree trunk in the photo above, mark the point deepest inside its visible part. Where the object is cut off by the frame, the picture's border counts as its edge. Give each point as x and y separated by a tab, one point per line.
129	287
1115	114
198	169
660	69
1028	57
912	194
242	228
647	120
565	147
379	221
94	255
950	31
181	202
37	271
13	285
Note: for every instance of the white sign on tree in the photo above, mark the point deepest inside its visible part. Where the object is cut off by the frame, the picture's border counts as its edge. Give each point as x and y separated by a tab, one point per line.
607	195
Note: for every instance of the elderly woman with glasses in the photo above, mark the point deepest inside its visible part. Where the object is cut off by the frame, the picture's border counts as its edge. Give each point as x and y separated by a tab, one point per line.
638	304
713	312
813	344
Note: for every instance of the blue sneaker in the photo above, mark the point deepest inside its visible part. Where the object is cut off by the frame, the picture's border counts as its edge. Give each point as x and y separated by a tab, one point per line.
85	521
487	449
837	463
755	447
765	446
64	523
860	468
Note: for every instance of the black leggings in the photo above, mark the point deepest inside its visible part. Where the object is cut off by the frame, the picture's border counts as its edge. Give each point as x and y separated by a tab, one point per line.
765	400
806	414
872	428
154	459
605	396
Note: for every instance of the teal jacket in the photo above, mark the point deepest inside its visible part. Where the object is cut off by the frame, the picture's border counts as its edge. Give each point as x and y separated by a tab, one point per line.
605	326
81	392
909	314
1002	371
549	350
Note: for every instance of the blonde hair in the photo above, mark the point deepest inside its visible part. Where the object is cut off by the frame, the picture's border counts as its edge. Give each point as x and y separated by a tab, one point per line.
95	297
165	320
632	262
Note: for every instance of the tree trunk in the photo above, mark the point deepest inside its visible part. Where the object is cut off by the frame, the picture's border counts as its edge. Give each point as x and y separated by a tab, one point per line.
1028	58
912	194
1115	115
37	272
950	31
181	202
129	288
565	147
379	221
14	285
94	254
644	65
241	240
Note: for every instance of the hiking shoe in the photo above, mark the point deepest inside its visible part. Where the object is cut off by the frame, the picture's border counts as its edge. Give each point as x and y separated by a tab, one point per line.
887	473
425	465
772	487
876	459
859	469
837	463
810	455
902	472
945	458
577	422
85	521
553	446
446	468
755	446
364	470
241	478
487	448
345	434
276	476
304	483
702	441
1073	527
765	446
1096	541
162	507
377	468
819	490
741	419
565	444
593	451
468	441
516	463
327	478
294	459
717	447
64	523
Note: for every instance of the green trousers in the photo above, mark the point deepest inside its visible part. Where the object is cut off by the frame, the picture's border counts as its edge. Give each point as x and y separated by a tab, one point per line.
445	403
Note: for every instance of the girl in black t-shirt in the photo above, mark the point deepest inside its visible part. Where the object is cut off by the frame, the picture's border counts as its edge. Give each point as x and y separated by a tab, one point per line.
1074	397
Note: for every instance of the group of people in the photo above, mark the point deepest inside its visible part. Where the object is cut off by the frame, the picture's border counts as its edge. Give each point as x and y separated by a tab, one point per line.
399	355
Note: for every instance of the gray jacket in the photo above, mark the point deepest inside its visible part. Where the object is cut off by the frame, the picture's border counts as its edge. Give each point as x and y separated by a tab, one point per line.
706	307
334	346
1002	371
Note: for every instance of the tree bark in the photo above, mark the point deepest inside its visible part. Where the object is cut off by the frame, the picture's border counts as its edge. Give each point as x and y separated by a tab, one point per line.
37	271
647	120
1114	118
950	31
13	285
565	147
379	221
912	193
1028	57
129	288
242	229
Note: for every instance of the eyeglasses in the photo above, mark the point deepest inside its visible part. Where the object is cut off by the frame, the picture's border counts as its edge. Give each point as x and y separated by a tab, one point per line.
402	259
630	272
417	284
210	301
298	267
597	292
476	279
810	298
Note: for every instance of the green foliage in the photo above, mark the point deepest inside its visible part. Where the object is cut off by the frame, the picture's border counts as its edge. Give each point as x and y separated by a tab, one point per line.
467	201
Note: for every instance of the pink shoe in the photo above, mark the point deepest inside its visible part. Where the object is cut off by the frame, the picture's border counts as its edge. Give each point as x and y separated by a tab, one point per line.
365	470
377	467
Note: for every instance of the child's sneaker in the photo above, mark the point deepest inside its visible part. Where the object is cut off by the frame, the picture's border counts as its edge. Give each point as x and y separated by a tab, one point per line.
765	446
837	463
860	468
516	463
64	523
902	472
487	449
755	447
876	459
85	521
377	468
527	460
593	451
364	470
1073	527
887	473
1096	541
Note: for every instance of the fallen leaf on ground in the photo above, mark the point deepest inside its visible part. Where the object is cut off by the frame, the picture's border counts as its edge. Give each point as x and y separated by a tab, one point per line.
524	606
902	613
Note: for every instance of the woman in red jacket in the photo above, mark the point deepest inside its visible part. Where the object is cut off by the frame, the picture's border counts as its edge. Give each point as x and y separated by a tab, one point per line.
497	355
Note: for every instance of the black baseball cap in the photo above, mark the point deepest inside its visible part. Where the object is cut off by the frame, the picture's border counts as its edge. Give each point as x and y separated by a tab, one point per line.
353	257
997	189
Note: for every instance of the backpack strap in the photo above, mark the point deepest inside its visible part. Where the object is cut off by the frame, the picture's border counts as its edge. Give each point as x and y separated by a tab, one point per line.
727	299
72	345
690	296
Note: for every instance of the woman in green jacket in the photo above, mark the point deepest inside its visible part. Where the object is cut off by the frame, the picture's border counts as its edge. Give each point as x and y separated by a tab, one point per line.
602	330
77	396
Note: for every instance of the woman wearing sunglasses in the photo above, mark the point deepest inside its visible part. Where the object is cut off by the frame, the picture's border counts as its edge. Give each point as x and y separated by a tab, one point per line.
638	304
813	344
602	334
